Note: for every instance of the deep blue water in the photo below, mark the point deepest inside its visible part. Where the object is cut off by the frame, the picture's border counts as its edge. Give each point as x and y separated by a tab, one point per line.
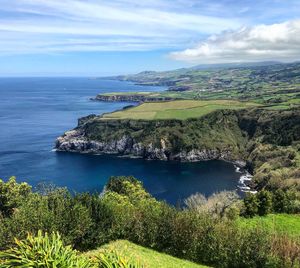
34	111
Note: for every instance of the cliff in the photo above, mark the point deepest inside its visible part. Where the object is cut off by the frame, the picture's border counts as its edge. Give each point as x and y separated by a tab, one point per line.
267	141
216	136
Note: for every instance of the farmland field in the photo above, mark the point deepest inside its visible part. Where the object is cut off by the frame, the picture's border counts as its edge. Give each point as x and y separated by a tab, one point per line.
181	109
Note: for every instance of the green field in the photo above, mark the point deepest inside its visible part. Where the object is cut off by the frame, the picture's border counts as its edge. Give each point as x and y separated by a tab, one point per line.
148	257
288	224
180	109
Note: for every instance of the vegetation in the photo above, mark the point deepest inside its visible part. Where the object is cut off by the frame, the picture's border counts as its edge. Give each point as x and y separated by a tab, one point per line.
148	257
266	202
269	140
126	211
180	109
276	85
288	224
42	251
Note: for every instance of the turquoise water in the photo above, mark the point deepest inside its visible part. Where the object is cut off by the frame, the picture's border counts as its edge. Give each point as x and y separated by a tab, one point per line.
34	111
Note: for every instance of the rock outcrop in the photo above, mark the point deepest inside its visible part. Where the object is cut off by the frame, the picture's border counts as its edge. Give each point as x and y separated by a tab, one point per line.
75	141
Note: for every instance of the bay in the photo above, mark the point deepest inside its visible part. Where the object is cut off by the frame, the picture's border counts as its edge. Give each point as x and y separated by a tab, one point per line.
34	111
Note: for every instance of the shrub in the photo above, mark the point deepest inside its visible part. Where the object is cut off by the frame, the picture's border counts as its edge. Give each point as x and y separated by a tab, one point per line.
250	205
217	204
113	260
287	250
265	204
280	201
12	194
42	251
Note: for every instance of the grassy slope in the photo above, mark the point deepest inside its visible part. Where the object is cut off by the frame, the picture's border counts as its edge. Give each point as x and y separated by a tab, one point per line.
149	257
181	109
278	223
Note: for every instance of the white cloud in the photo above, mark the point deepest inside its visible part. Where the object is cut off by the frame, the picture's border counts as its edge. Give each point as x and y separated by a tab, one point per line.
259	43
30	26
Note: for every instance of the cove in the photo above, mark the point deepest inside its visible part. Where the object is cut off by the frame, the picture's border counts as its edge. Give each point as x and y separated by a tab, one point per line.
35	111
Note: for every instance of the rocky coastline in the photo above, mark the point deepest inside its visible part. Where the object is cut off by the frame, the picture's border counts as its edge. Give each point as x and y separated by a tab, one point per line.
75	141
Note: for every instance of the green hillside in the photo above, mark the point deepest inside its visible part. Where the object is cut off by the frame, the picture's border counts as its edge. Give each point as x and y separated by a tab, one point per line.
180	109
148	257
276	223
272	85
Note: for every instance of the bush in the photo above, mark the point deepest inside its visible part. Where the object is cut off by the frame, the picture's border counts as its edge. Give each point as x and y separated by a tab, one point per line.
250	205
217	204
265	205
114	260
42	251
126	211
12	194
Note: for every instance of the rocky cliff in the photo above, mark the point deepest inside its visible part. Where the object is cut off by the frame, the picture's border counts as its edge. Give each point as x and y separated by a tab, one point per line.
215	136
269	141
75	141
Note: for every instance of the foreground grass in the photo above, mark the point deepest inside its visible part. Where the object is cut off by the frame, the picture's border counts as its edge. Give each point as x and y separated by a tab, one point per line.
277	223
148	257
179	109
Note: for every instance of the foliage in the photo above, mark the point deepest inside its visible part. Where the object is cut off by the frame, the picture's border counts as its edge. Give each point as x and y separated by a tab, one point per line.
42	250
146	256
126	211
277	224
251	205
12	194
266	202
113	259
217	204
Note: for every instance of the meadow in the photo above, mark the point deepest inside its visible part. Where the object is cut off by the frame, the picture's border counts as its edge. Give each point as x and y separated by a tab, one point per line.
148	257
179	109
287	224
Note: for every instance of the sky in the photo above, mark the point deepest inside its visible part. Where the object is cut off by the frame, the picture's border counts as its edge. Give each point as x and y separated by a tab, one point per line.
97	37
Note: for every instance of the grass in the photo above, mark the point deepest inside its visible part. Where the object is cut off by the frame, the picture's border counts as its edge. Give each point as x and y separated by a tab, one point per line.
179	109
148	257
287	224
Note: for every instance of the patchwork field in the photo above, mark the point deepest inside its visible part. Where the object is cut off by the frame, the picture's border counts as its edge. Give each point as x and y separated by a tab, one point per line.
179	109
148	257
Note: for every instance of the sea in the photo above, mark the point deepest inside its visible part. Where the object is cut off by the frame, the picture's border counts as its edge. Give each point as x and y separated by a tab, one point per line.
35	111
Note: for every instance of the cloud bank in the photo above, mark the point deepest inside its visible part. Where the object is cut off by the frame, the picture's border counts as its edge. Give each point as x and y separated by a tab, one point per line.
258	43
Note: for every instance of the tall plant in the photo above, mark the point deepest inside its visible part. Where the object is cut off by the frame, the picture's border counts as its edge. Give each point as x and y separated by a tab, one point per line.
42	250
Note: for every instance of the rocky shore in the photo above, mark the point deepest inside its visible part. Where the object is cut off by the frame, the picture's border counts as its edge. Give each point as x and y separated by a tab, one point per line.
75	141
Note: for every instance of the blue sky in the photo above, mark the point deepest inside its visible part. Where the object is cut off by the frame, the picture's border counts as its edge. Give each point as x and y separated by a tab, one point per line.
94	38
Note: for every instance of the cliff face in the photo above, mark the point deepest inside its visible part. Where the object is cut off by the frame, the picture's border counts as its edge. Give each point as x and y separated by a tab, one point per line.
227	135
216	136
75	141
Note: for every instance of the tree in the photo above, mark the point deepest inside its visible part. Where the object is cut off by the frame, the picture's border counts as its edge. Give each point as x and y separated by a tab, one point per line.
216	204
280	201
251	205
264	202
12	195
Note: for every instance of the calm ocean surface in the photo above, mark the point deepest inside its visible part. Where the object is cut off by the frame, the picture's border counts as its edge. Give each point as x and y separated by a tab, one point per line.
34	111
